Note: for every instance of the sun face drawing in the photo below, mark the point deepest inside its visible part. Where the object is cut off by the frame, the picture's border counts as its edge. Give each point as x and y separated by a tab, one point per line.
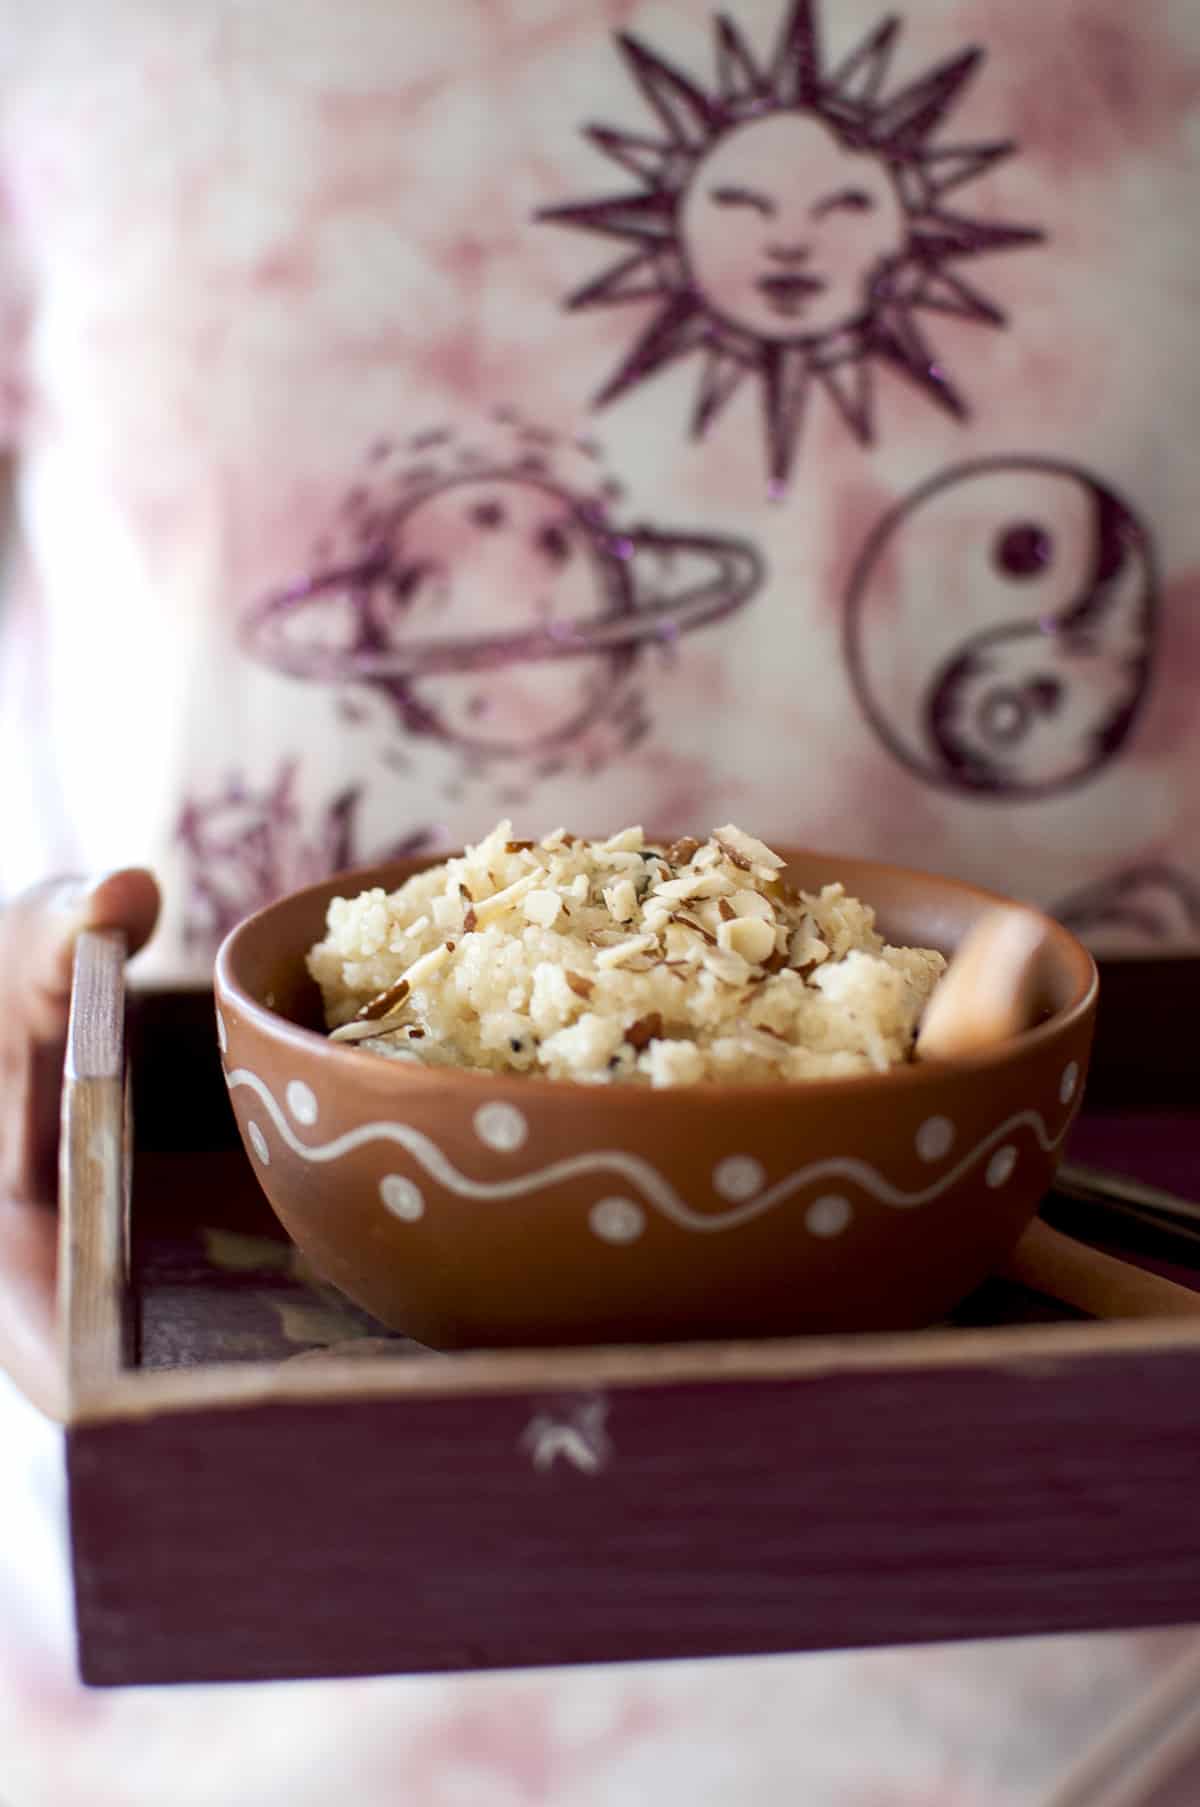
792	226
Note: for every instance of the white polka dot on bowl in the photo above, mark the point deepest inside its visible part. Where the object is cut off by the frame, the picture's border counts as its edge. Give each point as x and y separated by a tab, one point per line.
222	1034
935	1138
402	1197
738	1177
302	1102
1000	1167
1069	1081
617	1220
258	1143
828	1216
501	1126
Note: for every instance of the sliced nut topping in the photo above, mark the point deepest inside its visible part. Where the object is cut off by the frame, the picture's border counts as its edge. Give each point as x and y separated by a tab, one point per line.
681	851
732	855
689	922
727	911
724	964
647	1029
693	884
580	984
542	907
358	1032
429	963
621	899
470	920
745	850
489	908
384	1003
625	951
752	903
517	846
748	936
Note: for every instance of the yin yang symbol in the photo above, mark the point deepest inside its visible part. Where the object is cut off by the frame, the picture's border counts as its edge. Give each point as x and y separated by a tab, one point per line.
1000	627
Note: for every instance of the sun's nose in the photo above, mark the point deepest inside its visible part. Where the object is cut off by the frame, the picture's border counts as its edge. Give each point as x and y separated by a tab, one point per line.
789	254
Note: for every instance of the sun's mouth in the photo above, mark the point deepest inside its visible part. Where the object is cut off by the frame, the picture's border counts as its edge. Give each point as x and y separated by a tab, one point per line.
787	291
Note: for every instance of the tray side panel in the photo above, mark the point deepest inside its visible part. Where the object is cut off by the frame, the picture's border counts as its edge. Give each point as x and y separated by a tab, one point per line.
454	1533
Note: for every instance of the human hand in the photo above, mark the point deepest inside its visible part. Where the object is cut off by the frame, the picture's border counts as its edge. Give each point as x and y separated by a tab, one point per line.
37	945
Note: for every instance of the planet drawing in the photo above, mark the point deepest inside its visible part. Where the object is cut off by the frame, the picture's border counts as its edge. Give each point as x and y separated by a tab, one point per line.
499	610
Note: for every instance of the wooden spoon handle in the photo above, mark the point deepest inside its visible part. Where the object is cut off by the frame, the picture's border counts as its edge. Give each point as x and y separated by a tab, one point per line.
1048	1262
990	989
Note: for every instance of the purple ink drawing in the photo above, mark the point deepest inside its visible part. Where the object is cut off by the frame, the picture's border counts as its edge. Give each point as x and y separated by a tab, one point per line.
1000	626
1152	902
244	846
499	609
792	225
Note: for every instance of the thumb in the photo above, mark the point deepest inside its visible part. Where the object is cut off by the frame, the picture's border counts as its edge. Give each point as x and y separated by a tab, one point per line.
40	931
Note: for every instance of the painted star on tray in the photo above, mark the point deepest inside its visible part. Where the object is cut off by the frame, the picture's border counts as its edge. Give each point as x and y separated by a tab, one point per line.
793	226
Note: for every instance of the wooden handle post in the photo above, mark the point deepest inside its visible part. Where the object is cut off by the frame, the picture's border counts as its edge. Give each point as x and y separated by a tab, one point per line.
94	1170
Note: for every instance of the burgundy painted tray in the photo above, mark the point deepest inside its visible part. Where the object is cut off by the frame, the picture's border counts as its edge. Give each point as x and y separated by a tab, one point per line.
264	1484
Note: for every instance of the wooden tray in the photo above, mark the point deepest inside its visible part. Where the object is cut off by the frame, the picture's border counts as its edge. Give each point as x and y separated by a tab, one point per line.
263	1484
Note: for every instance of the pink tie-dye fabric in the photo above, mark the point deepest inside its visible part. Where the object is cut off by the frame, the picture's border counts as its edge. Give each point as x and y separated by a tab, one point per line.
592	411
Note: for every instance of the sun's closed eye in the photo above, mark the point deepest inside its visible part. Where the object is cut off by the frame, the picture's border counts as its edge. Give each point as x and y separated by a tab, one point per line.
743	197
846	200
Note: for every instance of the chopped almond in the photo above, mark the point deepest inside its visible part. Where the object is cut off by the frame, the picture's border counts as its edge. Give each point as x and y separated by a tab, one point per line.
746	850
624	951
580	984
542	907
383	1003
689	922
732	855
748	936
646	1029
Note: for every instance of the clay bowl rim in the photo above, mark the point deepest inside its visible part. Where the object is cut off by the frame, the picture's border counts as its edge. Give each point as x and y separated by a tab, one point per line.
1067	950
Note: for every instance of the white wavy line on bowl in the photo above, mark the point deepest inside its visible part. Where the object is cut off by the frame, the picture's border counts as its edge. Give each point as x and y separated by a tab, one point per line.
637	1172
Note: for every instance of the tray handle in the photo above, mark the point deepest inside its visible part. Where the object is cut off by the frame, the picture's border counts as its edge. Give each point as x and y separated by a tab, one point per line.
1102	1286
94	1171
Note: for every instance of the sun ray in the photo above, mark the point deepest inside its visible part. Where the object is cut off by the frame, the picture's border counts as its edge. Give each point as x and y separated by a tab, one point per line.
957	235
792	325
645	216
943	292
636	278
901	343
684	109
723	372
738	75
851	388
647	158
861	75
676	331
787	379
947	166
795	69
914	114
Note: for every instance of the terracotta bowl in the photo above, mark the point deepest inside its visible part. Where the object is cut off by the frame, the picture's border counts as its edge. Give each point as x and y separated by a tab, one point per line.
468	1209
